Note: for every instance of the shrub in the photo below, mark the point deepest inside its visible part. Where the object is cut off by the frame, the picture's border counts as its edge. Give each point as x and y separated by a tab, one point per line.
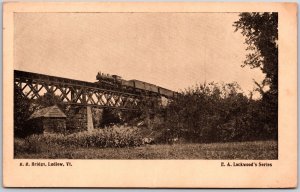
217	113
110	117
102	138
19	146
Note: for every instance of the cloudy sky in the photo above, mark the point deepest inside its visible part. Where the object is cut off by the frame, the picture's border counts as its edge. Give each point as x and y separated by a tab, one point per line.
173	50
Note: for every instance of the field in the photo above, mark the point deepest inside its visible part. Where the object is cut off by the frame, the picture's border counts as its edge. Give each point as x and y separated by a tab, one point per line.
234	150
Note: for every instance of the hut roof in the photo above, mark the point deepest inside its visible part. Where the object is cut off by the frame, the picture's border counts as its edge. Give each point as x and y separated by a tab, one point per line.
52	111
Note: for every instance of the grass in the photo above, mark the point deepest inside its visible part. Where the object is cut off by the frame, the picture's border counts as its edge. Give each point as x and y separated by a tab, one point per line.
234	150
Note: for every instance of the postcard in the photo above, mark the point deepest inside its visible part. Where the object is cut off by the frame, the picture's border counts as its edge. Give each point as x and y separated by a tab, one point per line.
156	95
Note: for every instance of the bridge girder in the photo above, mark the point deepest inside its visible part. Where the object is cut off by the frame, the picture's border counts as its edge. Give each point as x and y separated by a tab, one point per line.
75	92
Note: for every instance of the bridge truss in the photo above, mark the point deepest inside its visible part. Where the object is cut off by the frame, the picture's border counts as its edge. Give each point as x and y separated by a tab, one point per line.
75	92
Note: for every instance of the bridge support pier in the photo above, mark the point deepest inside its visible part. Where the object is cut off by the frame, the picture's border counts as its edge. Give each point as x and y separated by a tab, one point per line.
83	118
89	117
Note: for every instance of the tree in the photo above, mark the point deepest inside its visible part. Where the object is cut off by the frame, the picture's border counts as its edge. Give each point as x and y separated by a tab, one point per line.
261	36
21	113
47	100
110	117
261	32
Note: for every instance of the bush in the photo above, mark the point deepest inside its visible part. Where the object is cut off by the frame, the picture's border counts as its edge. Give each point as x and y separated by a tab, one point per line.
217	113
110	117
102	138
19	146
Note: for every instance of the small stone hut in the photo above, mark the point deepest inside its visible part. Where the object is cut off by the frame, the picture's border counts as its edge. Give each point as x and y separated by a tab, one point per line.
48	120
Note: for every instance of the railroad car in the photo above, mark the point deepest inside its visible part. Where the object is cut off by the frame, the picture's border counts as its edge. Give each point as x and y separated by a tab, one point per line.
166	92
143	86
146	86
150	87
125	83
115	81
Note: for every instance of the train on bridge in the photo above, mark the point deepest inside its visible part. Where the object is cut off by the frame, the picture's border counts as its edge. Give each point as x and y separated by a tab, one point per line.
110	91
115	81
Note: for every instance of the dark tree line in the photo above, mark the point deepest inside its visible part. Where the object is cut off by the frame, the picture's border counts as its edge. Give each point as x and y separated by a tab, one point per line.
261	35
217	113
21	114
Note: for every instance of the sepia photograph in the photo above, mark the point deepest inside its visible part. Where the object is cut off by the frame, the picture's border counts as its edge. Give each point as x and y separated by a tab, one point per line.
130	83
140	86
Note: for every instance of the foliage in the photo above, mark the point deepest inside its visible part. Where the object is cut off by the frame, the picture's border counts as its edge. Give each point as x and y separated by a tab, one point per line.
19	146
148	109
215	113
48	100
261	36
110	117
261	32
102	138
21	114
131	118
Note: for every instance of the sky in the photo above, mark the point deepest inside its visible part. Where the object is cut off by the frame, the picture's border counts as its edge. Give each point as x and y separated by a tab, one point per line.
172	50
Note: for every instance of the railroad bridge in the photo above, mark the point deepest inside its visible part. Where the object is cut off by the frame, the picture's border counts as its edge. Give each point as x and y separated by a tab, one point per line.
86	98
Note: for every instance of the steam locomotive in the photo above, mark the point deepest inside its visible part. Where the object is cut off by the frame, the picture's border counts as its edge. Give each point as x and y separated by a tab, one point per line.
116	82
